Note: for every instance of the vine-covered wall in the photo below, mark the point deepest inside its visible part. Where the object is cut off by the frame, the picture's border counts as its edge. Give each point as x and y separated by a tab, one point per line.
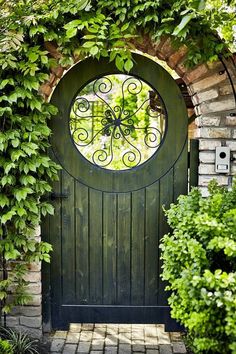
39	40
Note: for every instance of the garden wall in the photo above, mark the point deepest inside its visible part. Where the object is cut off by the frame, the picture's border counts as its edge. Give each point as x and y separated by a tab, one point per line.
215	107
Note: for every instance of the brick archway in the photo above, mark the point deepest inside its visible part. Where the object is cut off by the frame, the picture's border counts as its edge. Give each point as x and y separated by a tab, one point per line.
212	96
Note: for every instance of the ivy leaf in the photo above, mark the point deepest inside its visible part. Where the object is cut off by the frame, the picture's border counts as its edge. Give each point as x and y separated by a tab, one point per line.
16	154
7	180
15	142
8	216
21	211
13	254
22	193
185	20
3	295
8	166
29	148
46	257
6	82
4	200
47	208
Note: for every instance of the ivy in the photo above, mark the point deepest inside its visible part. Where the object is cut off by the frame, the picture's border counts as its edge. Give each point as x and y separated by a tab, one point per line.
75	28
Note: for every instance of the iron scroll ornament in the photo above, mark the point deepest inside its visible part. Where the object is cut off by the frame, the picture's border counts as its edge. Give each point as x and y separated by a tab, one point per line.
117	121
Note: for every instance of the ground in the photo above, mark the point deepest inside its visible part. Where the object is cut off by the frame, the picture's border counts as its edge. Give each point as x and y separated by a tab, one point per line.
117	339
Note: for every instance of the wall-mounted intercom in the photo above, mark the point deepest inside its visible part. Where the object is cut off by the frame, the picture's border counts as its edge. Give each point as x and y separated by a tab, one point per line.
222	161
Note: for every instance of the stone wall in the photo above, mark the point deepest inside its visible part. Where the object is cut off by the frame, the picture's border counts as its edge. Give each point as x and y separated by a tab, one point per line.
215	125
29	318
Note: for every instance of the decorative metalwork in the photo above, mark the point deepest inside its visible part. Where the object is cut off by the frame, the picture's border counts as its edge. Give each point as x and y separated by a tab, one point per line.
117	121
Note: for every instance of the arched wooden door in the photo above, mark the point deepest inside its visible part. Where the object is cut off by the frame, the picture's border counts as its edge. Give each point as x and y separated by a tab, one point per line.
108	223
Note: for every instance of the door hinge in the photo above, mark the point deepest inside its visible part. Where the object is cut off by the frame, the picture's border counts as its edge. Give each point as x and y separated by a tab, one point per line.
54	196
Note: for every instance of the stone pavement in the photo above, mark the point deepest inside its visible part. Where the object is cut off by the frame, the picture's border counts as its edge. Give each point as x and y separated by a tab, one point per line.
116	339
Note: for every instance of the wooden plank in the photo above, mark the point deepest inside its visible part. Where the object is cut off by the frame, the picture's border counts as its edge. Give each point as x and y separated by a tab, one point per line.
166	197
95	246
46	281
137	252
181	174
193	163
123	248
151	244
117	314
81	244
109	248
55	265
68	239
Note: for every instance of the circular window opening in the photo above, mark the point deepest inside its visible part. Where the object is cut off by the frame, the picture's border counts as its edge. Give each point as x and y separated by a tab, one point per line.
117	121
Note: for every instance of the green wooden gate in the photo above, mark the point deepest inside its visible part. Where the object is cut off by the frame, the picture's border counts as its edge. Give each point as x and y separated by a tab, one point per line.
108	222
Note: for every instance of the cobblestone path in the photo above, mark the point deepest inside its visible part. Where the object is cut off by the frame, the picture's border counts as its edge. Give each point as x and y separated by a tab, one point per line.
116	339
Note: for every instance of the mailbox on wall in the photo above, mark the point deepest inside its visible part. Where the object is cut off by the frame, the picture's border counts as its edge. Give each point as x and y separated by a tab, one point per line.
222	161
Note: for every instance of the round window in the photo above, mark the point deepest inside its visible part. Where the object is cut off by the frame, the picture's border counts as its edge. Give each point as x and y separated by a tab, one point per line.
117	121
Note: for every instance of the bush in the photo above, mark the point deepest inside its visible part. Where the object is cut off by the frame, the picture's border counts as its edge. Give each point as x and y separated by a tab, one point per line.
5	347
199	263
20	342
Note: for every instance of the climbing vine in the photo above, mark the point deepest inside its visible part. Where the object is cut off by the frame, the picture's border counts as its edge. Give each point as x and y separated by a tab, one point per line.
76	28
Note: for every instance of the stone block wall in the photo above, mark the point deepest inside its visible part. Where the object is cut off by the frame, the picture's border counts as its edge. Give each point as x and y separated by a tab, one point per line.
215	107
29	318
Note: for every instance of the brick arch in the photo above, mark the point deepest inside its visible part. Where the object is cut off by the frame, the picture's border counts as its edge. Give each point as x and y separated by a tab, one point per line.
211	93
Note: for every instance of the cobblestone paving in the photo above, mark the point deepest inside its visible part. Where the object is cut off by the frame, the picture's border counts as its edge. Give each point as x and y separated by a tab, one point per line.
116	339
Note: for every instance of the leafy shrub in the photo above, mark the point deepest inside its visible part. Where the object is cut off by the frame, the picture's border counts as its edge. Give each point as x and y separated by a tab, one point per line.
5	347
199	263
20	342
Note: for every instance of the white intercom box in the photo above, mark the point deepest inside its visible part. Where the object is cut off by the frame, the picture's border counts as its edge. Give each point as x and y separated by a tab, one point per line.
222	161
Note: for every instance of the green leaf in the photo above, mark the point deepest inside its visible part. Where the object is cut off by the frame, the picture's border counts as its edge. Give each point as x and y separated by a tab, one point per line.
125	27
33	57
128	65
22	193
83	4
21	211
29	148
94	50
89	36
15	142
6	82
16	154
119	62
89	44
72	24
185	20
13	254
71	32
8	166
4	200
8	216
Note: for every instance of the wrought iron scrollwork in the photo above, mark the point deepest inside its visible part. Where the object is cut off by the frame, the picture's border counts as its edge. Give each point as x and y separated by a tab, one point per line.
117	121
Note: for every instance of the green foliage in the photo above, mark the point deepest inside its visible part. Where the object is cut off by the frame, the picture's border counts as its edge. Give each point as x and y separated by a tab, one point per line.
5	347
199	263
20	342
78	28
